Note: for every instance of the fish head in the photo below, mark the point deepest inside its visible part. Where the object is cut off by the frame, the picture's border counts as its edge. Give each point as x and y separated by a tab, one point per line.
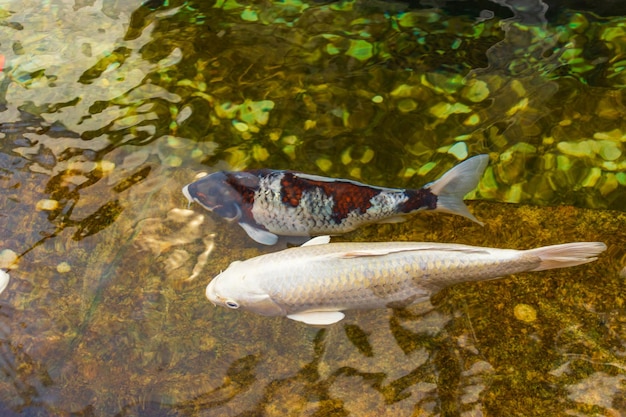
223	192
236	288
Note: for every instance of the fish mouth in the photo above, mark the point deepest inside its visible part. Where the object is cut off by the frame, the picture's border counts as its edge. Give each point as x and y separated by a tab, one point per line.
192	200
210	292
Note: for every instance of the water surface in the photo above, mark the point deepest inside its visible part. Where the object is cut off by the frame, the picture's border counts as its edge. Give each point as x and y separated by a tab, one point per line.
108	108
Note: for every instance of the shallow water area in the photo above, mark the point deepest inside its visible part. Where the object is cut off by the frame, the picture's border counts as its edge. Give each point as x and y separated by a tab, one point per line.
107	109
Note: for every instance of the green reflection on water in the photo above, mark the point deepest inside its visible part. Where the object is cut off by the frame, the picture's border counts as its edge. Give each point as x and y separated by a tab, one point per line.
110	121
445	87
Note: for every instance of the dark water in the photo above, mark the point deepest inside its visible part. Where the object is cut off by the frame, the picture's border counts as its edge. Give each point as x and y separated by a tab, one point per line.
108	108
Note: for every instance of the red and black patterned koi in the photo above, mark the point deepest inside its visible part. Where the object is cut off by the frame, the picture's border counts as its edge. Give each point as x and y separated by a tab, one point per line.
267	203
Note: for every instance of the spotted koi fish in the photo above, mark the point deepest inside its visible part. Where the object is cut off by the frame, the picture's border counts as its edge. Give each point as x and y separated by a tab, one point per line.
268	203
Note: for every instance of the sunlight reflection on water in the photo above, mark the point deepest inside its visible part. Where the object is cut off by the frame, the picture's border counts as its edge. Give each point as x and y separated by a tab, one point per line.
108	109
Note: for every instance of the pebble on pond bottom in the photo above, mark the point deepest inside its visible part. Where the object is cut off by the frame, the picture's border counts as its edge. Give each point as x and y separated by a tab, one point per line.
63	267
524	312
7	258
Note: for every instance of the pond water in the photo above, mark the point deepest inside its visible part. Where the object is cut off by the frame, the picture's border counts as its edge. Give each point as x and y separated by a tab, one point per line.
108	108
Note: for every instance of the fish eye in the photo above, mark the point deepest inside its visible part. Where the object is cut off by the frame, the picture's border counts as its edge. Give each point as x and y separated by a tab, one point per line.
229	211
231	304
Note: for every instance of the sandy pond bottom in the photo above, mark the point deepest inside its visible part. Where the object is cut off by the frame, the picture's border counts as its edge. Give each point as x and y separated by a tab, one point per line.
117	335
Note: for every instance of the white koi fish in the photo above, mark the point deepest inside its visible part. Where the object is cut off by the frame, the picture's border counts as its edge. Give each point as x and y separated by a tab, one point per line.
268	203
315	282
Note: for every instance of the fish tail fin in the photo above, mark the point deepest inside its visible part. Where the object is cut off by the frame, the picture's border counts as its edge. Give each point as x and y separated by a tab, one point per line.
568	254
456	183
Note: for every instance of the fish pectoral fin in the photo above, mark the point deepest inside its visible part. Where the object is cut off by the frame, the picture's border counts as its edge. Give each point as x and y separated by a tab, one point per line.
4	280
320	240
319	318
394	219
258	235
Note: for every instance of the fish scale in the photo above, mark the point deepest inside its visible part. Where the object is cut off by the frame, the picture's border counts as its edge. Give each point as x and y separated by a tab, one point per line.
390	282
314	212
350	275
317	281
269	203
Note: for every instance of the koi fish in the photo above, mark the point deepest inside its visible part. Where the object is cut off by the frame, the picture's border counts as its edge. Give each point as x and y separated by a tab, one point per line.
267	203
316	282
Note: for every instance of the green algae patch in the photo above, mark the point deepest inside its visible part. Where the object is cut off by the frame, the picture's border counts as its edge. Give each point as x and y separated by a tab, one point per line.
459	150
580	149
426	168
515	317
444	110
405	90
250	15
249	112
476	91
407	105
360	49
609	151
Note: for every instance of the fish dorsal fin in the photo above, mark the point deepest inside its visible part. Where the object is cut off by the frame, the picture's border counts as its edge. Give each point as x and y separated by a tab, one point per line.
417	248
258	235
377	252
319	318
317	178
320	240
